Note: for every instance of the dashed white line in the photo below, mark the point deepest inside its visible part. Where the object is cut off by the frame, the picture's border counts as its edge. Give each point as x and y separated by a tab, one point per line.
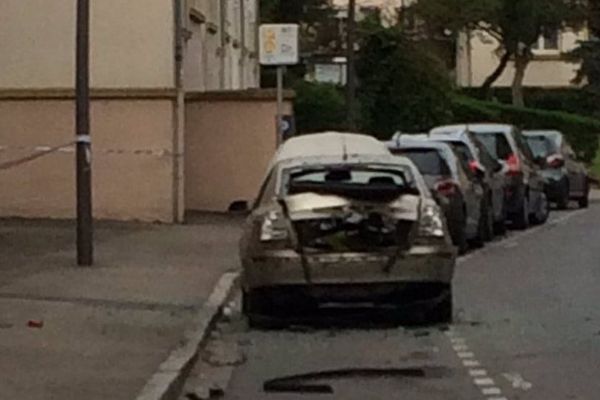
479	375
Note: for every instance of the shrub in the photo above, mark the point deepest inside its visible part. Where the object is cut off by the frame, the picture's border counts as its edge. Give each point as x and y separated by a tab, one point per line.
582	132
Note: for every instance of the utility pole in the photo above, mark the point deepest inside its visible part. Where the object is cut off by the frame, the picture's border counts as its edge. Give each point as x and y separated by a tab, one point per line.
85	253
350	66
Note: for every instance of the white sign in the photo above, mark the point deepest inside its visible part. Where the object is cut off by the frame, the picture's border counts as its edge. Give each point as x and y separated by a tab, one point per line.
279	44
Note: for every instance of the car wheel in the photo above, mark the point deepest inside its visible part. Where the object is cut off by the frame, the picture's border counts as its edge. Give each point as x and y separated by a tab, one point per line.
520	219
543	212
482	227
442	312
500	226
563	201
459	233
584	202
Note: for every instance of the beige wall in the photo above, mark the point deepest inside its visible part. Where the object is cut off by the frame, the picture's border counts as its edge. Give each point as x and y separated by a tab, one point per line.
37	39
229	143
132	163
477	59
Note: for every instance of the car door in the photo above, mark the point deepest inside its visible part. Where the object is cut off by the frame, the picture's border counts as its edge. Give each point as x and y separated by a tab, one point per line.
531	169
575	170
496	177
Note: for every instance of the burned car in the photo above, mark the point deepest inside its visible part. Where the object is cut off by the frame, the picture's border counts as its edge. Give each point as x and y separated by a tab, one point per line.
339	220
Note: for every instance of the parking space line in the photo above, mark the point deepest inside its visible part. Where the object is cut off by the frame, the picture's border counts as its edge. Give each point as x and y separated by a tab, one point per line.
479	376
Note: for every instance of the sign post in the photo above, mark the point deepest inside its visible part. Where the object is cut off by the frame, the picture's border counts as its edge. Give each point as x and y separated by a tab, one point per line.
279	47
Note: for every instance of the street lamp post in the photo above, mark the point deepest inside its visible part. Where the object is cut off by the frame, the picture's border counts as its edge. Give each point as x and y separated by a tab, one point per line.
350	66
82	116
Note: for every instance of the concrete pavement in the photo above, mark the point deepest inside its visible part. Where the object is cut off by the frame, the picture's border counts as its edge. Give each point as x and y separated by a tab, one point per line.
106	329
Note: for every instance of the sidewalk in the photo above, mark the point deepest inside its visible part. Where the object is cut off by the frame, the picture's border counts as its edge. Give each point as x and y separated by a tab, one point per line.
105	328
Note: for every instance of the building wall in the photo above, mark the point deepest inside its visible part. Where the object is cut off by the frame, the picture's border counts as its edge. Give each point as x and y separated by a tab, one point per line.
38	41
131	160
478	58
230	140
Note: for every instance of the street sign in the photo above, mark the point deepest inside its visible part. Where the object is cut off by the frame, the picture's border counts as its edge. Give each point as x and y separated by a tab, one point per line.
279	44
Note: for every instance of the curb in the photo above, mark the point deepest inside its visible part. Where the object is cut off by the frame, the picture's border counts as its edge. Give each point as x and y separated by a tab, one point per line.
167	381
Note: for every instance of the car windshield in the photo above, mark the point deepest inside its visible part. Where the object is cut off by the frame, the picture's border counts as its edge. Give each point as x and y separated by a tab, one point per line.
541	146
428	161
497	144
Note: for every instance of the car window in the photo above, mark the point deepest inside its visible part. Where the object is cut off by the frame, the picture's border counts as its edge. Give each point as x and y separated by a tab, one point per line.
497	144
485	158
541	146
428	161
462	151
522	145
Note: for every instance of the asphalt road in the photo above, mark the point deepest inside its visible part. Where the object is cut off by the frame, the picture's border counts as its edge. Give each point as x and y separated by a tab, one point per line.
527	327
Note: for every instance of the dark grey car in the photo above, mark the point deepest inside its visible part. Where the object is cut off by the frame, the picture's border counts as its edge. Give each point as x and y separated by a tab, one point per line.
566	178
482	164
457	190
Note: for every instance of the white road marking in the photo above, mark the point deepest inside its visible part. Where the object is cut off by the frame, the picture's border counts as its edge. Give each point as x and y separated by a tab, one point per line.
484	381
478	375
489	391
477	372
517	381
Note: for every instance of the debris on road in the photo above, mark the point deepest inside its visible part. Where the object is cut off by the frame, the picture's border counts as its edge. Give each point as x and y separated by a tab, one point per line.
37	324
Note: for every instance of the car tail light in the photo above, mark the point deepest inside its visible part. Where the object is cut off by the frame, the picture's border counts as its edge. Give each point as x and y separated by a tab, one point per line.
431	223
555	161
446	187
474	166
273	228
514	165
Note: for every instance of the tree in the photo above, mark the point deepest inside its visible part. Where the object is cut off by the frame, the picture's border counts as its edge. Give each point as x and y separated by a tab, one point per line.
588	53
515	24
400	86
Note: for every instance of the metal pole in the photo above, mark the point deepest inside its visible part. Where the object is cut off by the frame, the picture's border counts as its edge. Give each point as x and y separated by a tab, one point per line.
350	66
84	170
279	104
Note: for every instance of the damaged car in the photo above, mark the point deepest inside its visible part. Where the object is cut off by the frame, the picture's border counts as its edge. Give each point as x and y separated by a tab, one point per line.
340	221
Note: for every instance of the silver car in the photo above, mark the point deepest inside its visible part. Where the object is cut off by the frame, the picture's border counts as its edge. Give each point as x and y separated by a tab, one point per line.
340	220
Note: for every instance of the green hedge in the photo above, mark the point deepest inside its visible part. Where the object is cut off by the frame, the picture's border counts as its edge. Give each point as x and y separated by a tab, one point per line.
571	100
582	132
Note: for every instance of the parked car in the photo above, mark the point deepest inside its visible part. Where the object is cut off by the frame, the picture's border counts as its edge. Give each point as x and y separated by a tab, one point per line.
525	188
459	192
566	178
482	163
340	220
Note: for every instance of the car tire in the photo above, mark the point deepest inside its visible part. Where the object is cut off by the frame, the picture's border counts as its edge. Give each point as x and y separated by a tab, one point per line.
500	226
543	212
562	202
442	312
520	220
479	240
584	202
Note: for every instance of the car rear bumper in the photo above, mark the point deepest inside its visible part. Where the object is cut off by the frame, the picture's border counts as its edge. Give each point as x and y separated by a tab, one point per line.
285	267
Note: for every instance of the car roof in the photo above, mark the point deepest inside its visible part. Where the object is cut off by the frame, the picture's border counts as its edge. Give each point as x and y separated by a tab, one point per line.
405	141
476	128
334	148
330	144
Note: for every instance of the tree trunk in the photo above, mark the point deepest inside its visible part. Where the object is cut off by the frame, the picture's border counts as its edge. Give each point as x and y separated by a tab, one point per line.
486	88
521	62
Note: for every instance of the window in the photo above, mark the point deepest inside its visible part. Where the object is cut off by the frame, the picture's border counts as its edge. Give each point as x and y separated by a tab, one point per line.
549	41
540	146
428	161
496	144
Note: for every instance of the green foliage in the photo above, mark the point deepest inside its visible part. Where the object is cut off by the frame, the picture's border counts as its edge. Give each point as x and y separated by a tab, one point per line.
319	107
596	165
571	100
401	88
582	132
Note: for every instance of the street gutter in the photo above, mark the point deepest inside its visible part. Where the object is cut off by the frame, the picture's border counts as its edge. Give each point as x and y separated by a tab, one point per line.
167	382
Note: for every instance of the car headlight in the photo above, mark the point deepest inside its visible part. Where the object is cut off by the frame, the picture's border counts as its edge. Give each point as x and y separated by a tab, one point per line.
273	228
432	222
